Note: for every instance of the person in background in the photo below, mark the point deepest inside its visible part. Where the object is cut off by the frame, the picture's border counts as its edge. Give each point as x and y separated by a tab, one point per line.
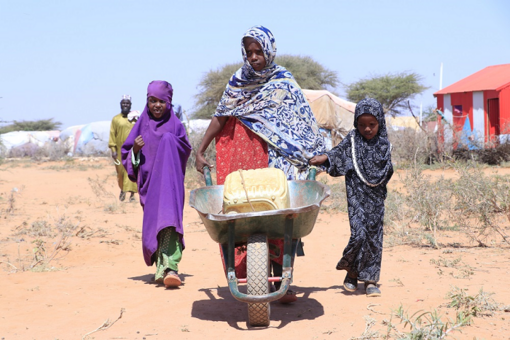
178	111
155	155
364	158
119	130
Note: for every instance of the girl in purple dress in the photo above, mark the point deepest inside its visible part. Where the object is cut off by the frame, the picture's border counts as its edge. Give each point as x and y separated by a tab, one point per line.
155	155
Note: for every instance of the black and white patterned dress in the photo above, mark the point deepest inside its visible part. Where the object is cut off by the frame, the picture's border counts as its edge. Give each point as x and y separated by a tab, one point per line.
366	171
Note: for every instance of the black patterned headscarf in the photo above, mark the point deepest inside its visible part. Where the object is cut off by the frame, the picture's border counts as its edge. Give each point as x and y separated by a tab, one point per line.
371	158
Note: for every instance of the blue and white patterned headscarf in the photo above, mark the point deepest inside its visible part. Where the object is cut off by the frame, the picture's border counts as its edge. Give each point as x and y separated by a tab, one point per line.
271	104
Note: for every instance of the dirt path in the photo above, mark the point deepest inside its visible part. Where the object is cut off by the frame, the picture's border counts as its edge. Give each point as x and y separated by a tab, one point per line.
103	272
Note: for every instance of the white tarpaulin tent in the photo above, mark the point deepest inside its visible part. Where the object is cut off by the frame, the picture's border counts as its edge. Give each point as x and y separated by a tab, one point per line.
197	125
87	140
334	115
26	139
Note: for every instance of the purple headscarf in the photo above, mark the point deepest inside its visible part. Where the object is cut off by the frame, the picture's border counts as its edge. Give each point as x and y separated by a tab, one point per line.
160	174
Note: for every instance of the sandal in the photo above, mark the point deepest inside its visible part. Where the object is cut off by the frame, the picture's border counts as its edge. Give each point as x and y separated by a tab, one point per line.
122	196
350	283
172	280
372	290
289	297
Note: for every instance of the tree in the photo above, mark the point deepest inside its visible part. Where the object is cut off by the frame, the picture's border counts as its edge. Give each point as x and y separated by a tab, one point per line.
37	125
391	90
429	114
211	88
308	73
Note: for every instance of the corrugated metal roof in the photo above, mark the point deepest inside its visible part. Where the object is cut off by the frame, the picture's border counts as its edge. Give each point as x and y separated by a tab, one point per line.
490	78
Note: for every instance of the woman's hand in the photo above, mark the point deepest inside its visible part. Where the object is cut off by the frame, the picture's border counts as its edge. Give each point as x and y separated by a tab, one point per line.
139	143
318	160
215	126
200	162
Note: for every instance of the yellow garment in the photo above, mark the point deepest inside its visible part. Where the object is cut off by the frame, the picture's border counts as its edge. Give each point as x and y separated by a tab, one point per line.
119	131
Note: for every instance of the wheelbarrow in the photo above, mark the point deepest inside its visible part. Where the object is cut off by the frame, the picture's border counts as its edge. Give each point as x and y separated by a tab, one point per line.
254	229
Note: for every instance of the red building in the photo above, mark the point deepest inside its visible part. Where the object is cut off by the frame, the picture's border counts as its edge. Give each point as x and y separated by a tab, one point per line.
478	105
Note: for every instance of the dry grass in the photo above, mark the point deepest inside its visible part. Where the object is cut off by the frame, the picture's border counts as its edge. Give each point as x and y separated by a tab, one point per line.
50	241
104	196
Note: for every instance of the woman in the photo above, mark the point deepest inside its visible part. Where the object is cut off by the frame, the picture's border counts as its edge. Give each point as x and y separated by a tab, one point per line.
155	155
262	120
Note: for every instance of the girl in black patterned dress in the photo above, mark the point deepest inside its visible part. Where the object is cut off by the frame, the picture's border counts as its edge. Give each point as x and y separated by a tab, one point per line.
364	158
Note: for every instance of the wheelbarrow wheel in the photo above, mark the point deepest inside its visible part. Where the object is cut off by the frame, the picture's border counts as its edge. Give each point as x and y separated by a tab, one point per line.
257	263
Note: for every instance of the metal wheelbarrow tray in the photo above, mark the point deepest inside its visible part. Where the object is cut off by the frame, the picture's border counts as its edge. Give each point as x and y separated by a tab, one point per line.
305	200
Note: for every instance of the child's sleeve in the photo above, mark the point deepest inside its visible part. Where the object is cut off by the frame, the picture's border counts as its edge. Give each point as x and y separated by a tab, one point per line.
339	159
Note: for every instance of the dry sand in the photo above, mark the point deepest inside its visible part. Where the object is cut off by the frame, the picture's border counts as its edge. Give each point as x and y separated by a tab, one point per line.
103	272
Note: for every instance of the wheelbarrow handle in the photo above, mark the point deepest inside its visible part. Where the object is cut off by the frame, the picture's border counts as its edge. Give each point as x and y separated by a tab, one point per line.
312	173
207	176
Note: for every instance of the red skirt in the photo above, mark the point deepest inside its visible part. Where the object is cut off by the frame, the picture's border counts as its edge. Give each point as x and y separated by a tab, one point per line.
238	148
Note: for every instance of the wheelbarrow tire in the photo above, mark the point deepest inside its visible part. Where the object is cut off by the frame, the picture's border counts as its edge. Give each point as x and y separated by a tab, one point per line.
257	263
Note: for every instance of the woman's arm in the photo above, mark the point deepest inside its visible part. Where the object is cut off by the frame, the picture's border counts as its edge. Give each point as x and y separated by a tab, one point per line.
215	127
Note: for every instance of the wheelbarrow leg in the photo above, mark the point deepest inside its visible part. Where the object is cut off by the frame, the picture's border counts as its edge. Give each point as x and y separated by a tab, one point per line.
289	252
231	247
287	241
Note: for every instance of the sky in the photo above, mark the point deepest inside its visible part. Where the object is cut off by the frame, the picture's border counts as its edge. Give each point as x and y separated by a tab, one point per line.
73	60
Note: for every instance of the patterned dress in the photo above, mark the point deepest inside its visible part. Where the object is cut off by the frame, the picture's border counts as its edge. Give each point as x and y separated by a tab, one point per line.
366	165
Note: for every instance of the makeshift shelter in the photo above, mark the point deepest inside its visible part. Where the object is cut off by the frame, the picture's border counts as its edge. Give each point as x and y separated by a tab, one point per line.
24	142
197	125
478	106
87	140
334	115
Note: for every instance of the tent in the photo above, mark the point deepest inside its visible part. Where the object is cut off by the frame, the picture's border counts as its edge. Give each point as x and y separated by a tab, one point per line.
25	141
89	139
197	125
334	115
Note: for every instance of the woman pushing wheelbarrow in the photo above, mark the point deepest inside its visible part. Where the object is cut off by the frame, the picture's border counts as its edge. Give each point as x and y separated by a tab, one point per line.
263	120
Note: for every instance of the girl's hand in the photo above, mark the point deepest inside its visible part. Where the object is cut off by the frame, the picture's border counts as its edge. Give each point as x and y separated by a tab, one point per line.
200	162
318	160
139	143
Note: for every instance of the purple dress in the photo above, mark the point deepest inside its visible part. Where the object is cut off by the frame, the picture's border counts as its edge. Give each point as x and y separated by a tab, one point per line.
160	174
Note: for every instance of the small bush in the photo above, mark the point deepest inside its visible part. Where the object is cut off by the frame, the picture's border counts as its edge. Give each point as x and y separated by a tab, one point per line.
37	229
482	304
429	201
410	146
428	325
482	203
490	155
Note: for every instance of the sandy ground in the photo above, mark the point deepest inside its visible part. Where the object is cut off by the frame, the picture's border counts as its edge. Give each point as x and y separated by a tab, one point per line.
103	274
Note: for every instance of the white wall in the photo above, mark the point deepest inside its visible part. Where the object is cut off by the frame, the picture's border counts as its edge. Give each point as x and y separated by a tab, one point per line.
478	116
448	114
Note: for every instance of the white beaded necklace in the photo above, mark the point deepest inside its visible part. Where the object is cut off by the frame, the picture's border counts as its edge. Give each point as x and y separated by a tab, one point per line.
354	160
